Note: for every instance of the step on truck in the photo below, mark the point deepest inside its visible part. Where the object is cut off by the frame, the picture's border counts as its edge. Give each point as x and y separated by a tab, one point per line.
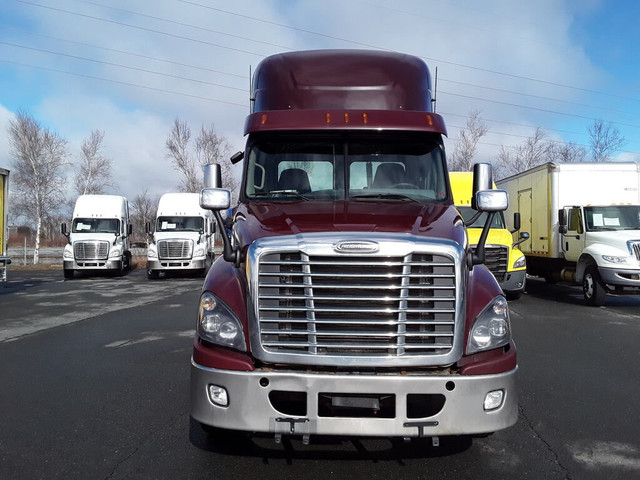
347	300
584	224
99	237
4	228
182	237
502	257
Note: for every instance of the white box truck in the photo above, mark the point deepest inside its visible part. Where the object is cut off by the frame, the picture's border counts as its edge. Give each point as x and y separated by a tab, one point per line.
584	224
99	236
183	236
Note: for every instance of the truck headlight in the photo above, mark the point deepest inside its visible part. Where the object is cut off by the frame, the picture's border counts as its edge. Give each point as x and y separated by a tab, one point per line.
491	329
520	263
218	324
198	251
614	259
68	252
115	252
152	252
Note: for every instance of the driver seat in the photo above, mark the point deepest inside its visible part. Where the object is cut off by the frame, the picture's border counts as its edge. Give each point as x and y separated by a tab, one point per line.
388	174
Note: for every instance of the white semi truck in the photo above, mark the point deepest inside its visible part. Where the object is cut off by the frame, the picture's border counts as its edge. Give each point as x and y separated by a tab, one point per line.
182	239
99	236
584	224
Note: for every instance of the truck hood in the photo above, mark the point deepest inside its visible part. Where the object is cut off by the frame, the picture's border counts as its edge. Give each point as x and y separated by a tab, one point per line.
257	220
195	236
88	237
613	243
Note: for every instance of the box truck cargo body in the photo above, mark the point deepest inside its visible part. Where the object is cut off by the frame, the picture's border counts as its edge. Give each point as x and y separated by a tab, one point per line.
182	239
584	221
99	236
347	300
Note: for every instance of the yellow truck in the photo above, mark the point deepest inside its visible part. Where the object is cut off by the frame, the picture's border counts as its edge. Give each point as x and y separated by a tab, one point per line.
4	232
506	262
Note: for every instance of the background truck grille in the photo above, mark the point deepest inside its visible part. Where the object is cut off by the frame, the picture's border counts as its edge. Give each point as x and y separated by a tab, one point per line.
496	260
175	249
356	305
635	246
91	250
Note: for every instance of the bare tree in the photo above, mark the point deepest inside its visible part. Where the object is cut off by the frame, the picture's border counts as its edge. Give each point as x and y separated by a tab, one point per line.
462	157
143	211
39	159
534	151
567	152
604	140
94	172
209	147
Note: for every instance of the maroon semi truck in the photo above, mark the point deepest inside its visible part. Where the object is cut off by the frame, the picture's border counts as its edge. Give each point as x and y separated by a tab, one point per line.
347	300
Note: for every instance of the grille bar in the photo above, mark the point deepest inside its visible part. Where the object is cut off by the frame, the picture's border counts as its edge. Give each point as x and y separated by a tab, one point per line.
636	249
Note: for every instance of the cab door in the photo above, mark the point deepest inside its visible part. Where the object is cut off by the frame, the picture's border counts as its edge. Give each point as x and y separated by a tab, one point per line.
573	238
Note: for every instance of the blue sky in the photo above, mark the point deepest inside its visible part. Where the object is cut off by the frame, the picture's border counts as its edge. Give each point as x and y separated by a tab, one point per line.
130	67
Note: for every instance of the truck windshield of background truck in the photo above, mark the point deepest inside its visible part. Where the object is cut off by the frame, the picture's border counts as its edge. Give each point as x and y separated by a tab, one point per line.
180	224
95	225
468	213
614	217
390	167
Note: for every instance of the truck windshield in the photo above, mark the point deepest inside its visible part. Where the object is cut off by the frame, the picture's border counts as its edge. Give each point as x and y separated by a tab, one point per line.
613	217
387	166
180	224
95	225
468	213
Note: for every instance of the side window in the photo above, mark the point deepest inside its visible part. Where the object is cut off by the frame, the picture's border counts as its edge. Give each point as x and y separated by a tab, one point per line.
575	220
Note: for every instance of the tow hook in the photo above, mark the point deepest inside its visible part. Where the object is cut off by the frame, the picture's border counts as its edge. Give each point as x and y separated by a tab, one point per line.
292	428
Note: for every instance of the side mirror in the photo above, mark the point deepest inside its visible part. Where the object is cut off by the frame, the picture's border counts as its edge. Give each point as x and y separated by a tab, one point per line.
147	228
236	157
516	222
215	199
481	181
491	200
562	221
63	229
524	236
212	176
129	229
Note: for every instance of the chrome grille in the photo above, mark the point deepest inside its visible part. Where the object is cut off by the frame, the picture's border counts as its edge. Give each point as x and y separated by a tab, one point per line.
175	249
342	309
91	250
635	247
496	260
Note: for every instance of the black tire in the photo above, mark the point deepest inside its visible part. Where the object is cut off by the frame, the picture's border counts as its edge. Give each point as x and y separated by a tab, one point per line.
593	288
68	273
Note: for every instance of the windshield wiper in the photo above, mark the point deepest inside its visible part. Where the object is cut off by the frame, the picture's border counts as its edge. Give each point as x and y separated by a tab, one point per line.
285	193
385	196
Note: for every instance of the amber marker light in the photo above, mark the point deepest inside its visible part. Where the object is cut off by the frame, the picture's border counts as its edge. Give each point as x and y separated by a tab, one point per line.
346	118
328	118
429	120
365	118
263	120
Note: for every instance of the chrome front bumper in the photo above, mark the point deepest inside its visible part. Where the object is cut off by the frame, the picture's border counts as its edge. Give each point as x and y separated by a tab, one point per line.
177	264
253	403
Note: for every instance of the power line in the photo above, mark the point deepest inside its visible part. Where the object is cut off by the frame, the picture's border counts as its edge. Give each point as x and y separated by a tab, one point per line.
122	66
129	84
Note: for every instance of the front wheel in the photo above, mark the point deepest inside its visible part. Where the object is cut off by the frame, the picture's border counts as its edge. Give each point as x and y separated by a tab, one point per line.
68	273
592	287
